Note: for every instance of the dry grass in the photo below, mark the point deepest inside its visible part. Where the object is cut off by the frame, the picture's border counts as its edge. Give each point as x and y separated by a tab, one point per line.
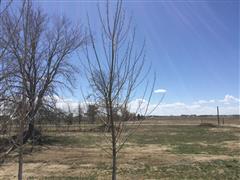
154	152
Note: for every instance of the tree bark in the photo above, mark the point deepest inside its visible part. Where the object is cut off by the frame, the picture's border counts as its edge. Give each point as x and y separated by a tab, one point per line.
20	162
29	132
20	148
114	162
114	151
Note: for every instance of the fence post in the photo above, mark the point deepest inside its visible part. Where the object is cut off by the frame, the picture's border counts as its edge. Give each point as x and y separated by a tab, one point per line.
218	116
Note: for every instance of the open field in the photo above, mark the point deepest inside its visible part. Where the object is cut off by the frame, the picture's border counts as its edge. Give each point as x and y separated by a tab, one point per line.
157	151
119	90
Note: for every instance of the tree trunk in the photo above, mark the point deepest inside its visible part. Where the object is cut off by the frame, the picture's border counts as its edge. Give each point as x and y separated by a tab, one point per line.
29	133
114	163
114	151
20	148
20	162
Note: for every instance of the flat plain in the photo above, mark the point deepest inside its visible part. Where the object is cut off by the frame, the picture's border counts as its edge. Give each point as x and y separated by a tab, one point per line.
160	149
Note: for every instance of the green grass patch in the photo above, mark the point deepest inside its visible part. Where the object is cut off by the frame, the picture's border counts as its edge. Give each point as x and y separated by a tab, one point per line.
173	135
217	169
84	140
200	149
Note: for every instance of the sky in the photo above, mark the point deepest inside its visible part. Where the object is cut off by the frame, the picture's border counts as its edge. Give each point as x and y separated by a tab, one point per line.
193	47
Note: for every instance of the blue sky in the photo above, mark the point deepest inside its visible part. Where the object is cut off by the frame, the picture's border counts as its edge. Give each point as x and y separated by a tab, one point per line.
193	47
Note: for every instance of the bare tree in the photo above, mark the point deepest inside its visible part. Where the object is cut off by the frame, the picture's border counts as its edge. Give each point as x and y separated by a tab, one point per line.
114	71
69	119
80	114
4	6
3	9
92	111
36	63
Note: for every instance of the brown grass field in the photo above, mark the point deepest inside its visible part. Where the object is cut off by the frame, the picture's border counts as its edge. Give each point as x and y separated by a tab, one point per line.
174	148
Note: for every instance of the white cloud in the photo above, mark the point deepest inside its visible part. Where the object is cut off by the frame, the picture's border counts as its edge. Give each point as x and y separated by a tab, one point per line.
66	104
230	99
176	104
205	101
212	101
138	105
228	105
160	91
201	107
172	109
202	102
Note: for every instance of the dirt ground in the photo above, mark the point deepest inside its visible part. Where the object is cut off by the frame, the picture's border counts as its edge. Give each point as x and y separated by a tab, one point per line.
143	160
81	162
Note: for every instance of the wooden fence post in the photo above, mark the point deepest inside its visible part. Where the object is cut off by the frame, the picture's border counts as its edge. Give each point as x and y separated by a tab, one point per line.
218	116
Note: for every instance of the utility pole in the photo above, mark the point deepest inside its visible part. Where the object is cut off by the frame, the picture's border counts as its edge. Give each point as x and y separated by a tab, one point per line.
218	116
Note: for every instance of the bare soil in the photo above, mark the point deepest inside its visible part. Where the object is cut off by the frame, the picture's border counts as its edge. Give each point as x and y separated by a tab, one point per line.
136	161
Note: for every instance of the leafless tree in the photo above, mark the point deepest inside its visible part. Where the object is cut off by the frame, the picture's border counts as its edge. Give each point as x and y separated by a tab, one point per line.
69	119
4	6
3	9
80	114
115	70
35	64
92	111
